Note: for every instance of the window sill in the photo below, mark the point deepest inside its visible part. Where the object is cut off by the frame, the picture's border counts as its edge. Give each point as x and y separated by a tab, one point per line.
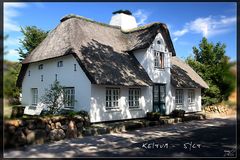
135	109
113	110
158	68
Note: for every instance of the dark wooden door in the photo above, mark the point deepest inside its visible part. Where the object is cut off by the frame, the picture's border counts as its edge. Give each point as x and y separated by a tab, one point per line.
159	96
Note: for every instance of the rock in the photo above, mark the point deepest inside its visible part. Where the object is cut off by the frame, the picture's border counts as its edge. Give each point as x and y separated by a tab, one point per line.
56	134
48	128
30	137
79	125
31	124
86	123
14	123
22	123
52	126
26	131
102	131
78	118
41	136
72	130
79	133
57	125
87	132
20	137
58	118
11	129
40	124
64	127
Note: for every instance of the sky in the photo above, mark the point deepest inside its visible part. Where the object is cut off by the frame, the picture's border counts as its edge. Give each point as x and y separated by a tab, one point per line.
187	22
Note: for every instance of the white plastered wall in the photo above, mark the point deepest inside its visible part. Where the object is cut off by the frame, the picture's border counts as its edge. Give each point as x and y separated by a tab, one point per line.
65	75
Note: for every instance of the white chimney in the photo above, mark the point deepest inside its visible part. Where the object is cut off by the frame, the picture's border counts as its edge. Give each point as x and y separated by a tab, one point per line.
124	19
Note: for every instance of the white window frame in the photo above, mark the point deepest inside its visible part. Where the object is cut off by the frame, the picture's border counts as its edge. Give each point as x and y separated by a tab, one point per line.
134	95
34	96
158	59
191	96
69	93
60	64
112	98
179	97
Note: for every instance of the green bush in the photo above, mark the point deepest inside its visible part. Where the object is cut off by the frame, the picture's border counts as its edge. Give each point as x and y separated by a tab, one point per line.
177	113
153	116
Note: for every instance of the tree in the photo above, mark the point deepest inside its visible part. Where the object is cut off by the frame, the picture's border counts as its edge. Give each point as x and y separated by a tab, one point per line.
11	92
211	63
33	36
5	47
54	98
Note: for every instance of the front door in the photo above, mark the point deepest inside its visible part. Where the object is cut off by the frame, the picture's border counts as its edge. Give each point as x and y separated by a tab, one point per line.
159	94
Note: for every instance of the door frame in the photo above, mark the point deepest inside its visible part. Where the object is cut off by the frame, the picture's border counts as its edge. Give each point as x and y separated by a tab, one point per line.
159	102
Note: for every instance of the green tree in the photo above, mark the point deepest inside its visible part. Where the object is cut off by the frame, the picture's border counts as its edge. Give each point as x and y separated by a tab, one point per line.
211	63
5	47
54	98
33	36
11	92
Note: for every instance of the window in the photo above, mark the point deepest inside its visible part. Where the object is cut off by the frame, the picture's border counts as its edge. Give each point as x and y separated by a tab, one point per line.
41	78
158	42
69	97
29	73
60	64
191	96
75	67
112	96
40	66
158	59
34	96
56	77
134	96
179	96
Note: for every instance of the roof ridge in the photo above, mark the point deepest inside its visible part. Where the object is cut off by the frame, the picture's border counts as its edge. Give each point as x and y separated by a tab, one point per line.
139	28
69	16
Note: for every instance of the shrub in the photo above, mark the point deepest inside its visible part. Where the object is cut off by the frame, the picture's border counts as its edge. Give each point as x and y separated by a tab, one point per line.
177	113
83	113
153	116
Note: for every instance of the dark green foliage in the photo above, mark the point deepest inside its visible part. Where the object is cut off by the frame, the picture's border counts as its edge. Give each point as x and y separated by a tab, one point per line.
211	63
33	36
5	47
53	98
10	74
177	113
153	116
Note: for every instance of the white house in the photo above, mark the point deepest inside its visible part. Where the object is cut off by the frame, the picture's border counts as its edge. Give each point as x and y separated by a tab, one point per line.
115	72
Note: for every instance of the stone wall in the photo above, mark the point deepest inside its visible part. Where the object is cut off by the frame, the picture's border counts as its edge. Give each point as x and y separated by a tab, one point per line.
20	132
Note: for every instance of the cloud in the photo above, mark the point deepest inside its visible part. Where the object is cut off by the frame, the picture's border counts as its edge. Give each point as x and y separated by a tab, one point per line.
12	41
175	39
207	26
141	16
12	52
180	32
10	13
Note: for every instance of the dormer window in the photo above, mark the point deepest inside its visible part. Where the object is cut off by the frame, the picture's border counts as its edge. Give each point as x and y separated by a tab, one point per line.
60	64
40	66
158	59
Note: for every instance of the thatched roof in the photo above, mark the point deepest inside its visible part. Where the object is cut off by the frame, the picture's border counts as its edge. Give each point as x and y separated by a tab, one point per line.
183	76
102	50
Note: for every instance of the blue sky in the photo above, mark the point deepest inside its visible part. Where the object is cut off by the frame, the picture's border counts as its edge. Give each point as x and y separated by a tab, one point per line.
187	22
